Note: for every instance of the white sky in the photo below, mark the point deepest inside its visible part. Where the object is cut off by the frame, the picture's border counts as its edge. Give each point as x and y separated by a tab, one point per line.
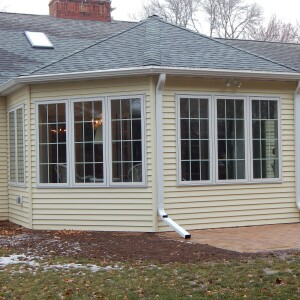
287	10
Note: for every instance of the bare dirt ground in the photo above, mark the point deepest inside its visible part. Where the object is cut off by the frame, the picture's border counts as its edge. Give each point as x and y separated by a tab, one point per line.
109	246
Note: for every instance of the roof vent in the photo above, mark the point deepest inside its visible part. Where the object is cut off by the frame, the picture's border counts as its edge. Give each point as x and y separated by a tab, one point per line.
38	40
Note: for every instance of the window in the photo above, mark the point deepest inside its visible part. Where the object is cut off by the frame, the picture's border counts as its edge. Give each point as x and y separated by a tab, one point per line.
231	139
38	40
52	143
265	139
99	143
88	142
126	141
16	146
194	139
217	143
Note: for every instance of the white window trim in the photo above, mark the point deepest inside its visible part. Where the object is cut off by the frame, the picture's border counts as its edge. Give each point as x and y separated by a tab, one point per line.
37	148
17	183
267	180
215	139
178	139
247	97
143	133
71	143
107	161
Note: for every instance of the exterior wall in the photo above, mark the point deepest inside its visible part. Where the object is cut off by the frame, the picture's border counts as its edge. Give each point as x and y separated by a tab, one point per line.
215	206
3	161
111	209
20	214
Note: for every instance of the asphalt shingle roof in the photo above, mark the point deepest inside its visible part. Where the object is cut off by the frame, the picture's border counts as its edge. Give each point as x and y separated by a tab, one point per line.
158	43
18	57
284	53
81	46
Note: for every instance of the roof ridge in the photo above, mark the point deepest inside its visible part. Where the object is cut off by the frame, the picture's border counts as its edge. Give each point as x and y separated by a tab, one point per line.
152	53
223	43
83	49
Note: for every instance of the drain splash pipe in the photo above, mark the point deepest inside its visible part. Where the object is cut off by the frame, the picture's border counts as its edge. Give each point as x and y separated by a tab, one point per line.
160	162
297	143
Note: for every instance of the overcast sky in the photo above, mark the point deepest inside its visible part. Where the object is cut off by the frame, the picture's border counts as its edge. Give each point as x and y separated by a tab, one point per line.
287	10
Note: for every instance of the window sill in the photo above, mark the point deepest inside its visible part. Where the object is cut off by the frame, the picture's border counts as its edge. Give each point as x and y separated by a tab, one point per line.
184	184
16	185
91	186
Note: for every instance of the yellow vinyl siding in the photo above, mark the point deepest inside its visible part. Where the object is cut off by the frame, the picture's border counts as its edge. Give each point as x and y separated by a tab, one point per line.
213	206
3	161
19	214
113	209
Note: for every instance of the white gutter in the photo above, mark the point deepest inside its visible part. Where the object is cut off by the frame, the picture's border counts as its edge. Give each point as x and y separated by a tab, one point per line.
160	161
297	143
140	71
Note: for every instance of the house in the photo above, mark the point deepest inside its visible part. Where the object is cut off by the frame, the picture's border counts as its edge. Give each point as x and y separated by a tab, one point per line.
149	127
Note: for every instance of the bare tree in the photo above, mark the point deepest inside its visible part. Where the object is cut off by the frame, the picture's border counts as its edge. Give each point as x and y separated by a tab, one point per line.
232	18
277	31
226	19
179	12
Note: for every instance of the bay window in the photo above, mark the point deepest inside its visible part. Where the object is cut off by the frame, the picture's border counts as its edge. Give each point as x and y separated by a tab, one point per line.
226	139
92	142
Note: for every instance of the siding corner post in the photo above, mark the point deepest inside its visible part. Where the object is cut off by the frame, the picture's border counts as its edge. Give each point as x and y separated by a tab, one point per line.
160	161
29	158
297	143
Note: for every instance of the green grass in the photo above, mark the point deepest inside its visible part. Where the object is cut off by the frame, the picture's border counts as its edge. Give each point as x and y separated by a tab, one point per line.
265	278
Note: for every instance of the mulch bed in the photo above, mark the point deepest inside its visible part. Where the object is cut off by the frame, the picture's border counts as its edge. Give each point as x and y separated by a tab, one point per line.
109	246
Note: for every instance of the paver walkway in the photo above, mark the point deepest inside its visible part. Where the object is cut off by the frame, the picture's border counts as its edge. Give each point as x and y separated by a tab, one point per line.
248	239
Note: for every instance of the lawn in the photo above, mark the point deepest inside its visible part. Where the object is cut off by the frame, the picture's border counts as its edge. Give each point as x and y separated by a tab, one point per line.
270	277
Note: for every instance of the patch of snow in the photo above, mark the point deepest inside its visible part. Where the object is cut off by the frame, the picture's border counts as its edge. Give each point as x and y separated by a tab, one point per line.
268	271
18	259
92	268
31	261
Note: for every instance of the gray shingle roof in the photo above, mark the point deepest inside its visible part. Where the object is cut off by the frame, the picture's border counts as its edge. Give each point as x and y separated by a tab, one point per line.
81	46
158	43
18	57
284	53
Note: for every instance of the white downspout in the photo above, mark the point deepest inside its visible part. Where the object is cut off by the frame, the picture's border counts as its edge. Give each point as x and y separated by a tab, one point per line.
297	143
160	162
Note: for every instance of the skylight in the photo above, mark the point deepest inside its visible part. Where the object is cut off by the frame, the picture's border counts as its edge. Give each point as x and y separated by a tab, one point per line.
38	40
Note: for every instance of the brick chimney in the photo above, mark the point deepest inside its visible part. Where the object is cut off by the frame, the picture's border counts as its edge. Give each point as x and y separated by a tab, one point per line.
93	10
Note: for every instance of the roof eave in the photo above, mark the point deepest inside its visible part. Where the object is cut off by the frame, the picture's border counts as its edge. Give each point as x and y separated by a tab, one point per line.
18	82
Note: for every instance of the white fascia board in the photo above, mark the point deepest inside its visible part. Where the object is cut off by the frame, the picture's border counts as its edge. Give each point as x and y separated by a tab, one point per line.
139	71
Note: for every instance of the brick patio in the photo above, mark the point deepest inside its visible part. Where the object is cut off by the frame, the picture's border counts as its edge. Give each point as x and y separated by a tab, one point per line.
248	239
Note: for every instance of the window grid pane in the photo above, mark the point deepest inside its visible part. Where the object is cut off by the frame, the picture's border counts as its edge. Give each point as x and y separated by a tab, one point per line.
12	147
52	143
126	133
20	145
16	146
194	139
265	139
231	139
88	142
